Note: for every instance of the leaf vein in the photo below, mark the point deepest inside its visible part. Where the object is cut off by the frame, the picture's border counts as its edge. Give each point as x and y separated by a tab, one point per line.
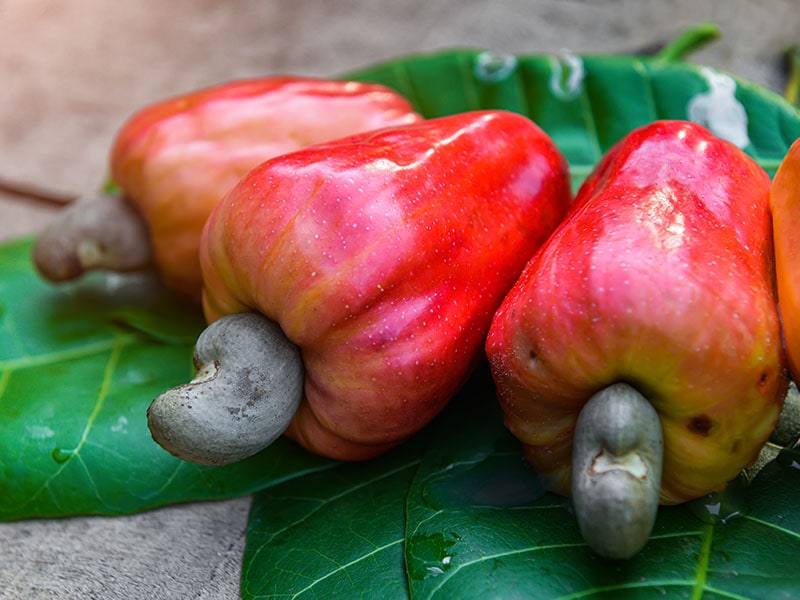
111	365
458	567
794	534
325	501
726	594
345	566
701	575
24	362
631	585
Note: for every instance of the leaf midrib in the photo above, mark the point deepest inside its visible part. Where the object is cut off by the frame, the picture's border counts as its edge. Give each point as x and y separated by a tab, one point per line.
115	346
69	354
322	502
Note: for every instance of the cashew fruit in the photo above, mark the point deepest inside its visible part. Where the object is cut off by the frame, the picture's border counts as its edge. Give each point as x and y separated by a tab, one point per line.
175	159
661	277
382	257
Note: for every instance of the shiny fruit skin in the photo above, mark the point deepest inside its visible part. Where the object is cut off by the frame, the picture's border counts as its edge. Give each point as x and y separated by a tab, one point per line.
175	159
383	257
661	276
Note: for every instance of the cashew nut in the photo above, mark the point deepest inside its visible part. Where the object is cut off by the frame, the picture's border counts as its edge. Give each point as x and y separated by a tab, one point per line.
616	471
93	232
248	386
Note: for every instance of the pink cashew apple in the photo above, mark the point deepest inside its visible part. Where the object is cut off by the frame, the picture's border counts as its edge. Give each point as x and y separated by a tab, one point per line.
175	159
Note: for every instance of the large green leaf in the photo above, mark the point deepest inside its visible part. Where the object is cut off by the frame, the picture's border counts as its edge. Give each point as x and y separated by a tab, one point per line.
587	103
477	522
79	364
338	533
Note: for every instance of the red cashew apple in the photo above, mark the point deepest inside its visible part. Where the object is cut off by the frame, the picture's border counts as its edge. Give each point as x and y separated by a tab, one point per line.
381	258
651	314
174	160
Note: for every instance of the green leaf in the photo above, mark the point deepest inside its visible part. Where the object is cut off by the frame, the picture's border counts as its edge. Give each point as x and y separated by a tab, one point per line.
478	523
79	364
587	103
339	533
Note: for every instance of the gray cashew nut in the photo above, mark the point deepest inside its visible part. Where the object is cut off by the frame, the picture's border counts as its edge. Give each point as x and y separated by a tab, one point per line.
93	232
248	386
616	471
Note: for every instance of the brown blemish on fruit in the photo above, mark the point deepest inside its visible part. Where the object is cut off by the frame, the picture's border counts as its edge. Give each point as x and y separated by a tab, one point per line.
763	380
701	425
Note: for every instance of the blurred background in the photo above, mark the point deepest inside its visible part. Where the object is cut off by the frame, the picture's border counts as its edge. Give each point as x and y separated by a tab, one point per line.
73	70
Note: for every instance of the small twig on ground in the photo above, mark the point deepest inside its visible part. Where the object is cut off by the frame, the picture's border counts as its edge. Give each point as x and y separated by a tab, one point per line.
34	193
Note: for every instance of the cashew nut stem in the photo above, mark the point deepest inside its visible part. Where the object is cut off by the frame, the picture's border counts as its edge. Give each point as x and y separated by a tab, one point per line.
93	232
248	386
616	471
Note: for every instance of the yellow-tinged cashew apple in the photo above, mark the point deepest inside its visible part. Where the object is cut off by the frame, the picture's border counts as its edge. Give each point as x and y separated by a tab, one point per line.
175	159
659	283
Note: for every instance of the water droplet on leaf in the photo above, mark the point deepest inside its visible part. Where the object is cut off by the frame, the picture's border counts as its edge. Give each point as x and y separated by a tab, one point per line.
721	507
566	80
431	555
493	68
719	110
789	459
61	456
